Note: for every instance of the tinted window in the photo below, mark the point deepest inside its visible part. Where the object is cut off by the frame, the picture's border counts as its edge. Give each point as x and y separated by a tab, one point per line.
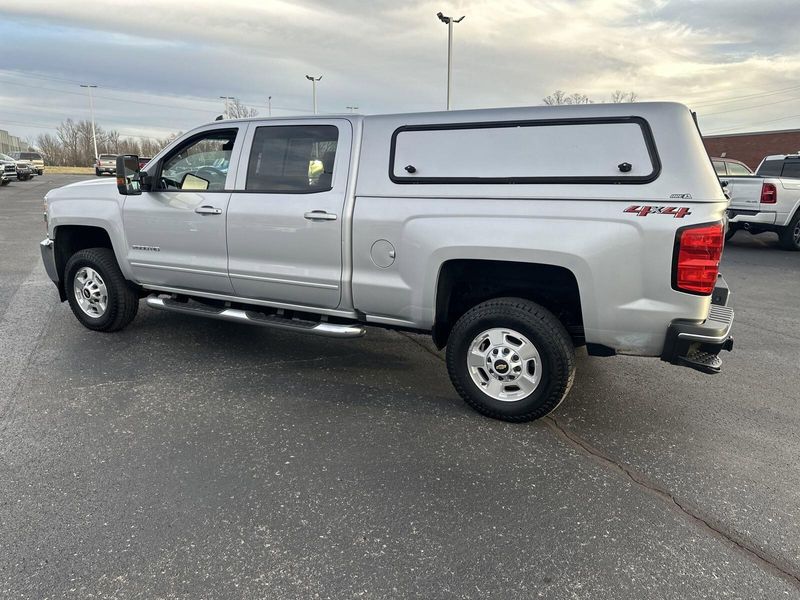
770	168
791	169
719	167
737	169
292	159
30	156
201	164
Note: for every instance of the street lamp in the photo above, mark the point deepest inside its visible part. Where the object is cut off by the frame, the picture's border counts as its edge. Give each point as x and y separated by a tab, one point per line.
449	22
314	89
91	112
225	99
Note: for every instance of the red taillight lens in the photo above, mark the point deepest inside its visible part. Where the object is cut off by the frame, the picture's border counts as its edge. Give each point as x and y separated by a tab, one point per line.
769	195
699	252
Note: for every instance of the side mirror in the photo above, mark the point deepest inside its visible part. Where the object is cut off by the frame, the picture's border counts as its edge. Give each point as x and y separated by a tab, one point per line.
128	177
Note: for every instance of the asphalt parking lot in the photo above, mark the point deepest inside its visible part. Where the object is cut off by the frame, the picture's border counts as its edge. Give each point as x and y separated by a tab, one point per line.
185	458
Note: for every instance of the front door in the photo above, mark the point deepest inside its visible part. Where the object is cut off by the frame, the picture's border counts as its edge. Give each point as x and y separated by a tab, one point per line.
176	232
285	218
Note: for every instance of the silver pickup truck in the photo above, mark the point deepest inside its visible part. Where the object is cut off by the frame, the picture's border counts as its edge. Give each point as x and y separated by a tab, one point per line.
767	201
512	236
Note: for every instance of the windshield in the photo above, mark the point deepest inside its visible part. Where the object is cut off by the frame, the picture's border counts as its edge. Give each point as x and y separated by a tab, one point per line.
30	156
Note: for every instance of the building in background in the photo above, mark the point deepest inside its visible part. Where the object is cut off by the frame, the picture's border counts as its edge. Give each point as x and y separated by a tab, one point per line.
752	147
10	143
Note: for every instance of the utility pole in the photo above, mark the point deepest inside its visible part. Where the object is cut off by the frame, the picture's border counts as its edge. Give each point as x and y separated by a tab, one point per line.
269	106
226	98
91	112
449	22
352	109
314	89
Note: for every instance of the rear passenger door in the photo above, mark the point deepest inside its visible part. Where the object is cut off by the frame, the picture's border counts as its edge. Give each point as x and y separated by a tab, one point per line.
285	216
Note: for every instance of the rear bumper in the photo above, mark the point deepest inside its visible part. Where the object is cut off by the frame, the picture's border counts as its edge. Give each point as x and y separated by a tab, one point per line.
750	216
697	344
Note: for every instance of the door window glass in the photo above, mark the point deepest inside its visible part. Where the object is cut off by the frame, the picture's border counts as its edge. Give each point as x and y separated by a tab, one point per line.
201	164
292	159
737	169
791	169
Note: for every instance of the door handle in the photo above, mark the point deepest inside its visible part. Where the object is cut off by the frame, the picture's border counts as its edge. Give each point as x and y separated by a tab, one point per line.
319	215
208	210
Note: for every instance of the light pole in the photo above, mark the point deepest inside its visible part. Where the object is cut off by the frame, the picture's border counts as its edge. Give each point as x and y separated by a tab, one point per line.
449	22
226	98
91	112
352	109
269	106
314	89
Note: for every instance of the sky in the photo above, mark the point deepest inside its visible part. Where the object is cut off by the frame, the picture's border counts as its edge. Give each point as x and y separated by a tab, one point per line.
162	65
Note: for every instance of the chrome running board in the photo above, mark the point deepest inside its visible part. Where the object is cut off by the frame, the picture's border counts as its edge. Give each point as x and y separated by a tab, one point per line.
275	321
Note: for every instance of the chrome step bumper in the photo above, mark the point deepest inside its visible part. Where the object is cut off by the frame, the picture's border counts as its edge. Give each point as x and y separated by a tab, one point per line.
237	315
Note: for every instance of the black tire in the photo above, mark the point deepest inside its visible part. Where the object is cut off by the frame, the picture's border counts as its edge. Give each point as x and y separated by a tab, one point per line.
732	229
97	172
122	299
542	329
789	236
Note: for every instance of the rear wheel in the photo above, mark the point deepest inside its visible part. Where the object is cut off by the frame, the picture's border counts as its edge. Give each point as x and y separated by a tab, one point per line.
732	229
98	294
789	236
97	172
511	359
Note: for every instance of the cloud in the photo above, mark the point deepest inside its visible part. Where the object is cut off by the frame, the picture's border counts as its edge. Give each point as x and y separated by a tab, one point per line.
387	56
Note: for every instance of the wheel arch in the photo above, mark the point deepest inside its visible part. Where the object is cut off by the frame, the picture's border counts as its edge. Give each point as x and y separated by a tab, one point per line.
463	283
69	239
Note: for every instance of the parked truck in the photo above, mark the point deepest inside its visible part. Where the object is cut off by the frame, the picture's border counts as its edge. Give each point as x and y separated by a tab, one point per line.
768	201
511	236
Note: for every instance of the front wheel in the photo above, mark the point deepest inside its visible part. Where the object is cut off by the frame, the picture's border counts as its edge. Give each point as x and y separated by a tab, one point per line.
98	294
789	236
97	173
511	359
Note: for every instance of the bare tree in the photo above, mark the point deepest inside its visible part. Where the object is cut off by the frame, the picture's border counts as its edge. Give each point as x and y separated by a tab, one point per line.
50	147
618	97
238	110
72	145
560	97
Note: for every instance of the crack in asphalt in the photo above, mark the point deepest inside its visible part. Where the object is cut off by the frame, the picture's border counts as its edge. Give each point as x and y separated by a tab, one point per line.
774	565
739	543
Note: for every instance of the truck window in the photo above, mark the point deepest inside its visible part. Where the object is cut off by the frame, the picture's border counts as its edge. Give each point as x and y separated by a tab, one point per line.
292	159
791	168
770	168
199	164
719	167
737	169
601	150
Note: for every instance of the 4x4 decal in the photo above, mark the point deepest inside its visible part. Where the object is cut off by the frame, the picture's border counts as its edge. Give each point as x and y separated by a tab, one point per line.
676	211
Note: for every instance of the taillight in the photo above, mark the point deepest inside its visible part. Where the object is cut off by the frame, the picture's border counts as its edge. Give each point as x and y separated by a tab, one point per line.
769	194
698	250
